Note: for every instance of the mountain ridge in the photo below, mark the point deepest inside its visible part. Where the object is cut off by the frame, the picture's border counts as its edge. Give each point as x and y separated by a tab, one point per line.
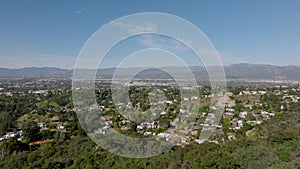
234	71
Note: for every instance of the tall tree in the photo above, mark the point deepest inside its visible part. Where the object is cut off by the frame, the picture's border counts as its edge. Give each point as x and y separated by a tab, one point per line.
30	132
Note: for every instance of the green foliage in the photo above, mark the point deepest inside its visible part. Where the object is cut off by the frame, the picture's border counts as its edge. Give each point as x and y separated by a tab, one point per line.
81	152
31	132
12	146
274	144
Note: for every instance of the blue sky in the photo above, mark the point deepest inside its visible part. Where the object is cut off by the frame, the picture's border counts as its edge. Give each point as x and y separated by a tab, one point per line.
52	32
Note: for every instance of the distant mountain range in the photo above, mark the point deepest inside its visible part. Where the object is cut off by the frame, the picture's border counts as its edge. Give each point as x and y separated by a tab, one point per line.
34	72
233	72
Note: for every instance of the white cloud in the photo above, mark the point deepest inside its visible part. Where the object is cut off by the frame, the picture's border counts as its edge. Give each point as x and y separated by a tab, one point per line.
157	41
81	10
136	28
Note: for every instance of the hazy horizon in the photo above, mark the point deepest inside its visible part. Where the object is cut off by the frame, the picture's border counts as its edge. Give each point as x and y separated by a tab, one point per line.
146	67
